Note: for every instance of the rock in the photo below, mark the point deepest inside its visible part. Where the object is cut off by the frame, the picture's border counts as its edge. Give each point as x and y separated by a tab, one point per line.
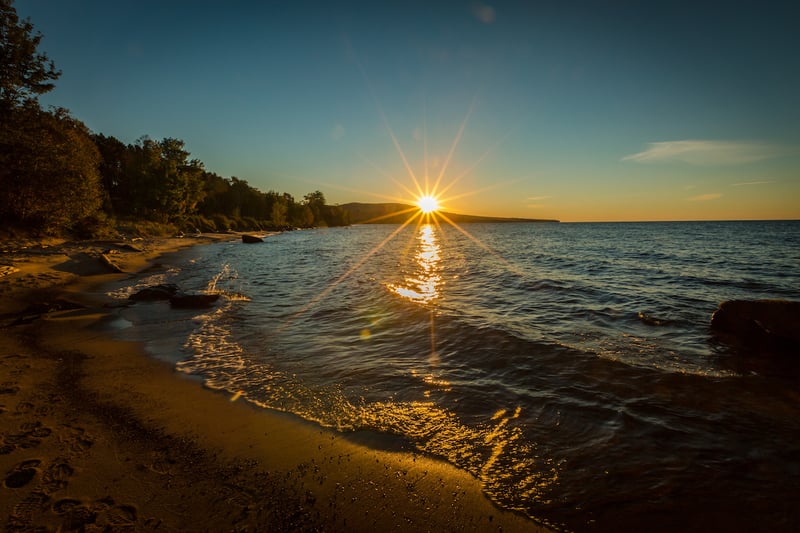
129	247
193	301
764	325
177	299
111	265
250	239
650	320
37	310
155	293
88	264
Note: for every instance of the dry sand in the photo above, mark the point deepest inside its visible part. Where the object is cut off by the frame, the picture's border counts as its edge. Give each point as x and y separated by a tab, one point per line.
97	436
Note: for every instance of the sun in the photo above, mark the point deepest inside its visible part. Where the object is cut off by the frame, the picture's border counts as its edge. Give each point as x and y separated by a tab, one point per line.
427	204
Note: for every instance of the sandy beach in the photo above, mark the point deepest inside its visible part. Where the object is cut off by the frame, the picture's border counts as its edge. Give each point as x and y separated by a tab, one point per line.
97	436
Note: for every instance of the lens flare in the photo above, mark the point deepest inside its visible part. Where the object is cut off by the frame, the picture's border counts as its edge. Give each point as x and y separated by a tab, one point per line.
428	204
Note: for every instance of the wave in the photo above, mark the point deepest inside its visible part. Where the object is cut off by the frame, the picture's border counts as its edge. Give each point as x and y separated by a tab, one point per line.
566	387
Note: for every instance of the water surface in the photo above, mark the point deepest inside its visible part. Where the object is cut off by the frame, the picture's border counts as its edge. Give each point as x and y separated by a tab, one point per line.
569	367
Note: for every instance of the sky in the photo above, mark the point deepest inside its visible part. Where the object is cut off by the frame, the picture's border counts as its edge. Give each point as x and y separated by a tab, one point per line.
577	111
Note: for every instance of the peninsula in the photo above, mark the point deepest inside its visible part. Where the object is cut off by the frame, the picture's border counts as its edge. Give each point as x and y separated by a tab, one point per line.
397	213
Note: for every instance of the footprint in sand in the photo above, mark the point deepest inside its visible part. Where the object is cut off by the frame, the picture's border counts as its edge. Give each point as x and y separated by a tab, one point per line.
76	439
104	513
114	516
24	408
35	429
56	476
77	518
30	436
22	474
21	517
9	387
65	505
6	448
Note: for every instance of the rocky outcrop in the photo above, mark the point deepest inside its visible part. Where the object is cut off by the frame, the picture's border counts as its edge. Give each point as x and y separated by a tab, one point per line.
761	325
193	301
110	264
88	264
251	239
177	299
155	293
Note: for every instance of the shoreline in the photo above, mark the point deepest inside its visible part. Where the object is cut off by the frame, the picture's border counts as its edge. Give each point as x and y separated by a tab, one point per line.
96	433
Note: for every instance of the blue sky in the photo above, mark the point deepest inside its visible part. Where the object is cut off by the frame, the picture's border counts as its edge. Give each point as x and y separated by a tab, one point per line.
568	110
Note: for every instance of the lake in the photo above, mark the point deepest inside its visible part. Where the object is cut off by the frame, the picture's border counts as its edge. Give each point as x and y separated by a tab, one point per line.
569	367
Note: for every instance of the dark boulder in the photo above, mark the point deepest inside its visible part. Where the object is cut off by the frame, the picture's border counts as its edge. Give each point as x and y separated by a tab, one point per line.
88	264
761	325
193	301
155	293
251	239
110	264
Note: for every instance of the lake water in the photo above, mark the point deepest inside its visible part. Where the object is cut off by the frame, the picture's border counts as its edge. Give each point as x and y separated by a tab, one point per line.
569	367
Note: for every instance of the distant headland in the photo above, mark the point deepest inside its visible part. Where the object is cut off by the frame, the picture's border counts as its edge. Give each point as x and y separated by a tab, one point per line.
394	213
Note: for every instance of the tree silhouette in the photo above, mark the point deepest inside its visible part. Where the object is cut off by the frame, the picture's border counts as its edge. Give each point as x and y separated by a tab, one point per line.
24	72
48	170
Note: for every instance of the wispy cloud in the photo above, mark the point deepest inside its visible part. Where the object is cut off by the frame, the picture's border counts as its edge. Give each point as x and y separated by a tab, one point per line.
538	198
750	183
483	13
706	197
700	152
337	132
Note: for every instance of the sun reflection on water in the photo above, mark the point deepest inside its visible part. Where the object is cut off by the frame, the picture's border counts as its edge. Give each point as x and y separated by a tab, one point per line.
496	450
423	285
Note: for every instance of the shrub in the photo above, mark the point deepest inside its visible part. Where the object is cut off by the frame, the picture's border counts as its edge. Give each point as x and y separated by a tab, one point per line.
221	222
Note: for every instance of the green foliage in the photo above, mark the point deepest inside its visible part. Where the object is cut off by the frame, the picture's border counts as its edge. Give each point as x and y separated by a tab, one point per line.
48	170
301	216
55	175
157	180
96	226
48	162
163	184
278	208
24	72
221	222
136	227
250	224
335	215
198	223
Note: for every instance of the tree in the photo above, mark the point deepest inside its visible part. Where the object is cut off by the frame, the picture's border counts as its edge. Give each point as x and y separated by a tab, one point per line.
113	157
180	188
48	162
24	72
152	179
316	202
48	170
300	215
335	216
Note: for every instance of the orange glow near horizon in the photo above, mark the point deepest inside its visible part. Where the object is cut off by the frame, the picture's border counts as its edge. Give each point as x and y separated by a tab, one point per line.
426	215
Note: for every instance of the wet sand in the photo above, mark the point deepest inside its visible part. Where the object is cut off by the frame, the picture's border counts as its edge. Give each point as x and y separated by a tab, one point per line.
97	436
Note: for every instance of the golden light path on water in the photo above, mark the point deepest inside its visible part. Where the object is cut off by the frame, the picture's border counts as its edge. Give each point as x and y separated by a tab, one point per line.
422	287
493	451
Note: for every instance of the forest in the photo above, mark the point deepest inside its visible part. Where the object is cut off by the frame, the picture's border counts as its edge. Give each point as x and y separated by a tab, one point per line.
57	176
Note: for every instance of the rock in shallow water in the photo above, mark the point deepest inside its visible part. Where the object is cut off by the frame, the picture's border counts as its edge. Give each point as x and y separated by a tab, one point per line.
155	293
193	301
765	325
